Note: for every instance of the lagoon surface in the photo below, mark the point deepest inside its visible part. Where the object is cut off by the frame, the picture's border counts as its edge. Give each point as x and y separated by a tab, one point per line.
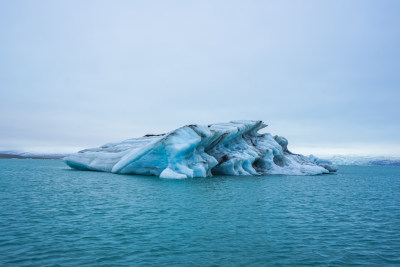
52	215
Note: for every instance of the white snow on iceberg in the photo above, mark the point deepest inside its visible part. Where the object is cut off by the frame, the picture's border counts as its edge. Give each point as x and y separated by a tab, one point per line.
234	148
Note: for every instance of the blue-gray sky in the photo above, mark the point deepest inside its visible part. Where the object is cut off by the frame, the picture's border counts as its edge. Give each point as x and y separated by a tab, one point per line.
324	74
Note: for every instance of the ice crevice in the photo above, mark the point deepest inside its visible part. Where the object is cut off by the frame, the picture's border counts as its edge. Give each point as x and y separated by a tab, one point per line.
233	148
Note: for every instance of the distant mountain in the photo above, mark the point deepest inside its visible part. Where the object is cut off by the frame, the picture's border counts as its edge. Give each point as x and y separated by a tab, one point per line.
365	160
28	155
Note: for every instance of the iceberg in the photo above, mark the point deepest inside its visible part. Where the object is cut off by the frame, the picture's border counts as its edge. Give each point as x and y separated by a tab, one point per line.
233	148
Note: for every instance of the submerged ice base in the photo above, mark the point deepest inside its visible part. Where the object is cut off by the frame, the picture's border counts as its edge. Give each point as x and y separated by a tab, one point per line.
234	148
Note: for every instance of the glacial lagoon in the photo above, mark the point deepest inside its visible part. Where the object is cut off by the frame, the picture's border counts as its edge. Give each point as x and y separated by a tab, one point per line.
53	215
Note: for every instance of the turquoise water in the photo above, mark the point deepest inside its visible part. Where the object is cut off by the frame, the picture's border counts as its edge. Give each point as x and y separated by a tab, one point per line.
52	215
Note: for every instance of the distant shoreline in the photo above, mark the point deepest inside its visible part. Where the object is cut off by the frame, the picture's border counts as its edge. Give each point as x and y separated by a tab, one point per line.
338	160
14	156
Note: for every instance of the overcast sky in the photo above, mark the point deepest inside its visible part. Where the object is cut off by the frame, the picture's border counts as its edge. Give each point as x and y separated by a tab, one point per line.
77	74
